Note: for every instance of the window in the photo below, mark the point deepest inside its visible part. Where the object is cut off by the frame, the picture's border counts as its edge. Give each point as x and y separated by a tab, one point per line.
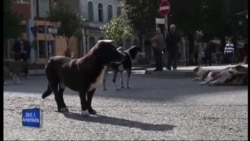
43	8
42	49
35	9
110	12
119	11
100	12
90	11
51	48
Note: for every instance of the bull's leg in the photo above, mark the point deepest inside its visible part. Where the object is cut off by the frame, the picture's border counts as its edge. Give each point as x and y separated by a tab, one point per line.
104	80
14	78
128	77
60	99
17	78
197	79
114	79
84	104
89	102
206	81
121	76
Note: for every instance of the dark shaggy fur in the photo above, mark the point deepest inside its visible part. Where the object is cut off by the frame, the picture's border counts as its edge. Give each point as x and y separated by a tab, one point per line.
82	75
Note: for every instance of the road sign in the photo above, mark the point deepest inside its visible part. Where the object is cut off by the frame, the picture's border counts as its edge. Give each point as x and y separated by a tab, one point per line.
164	8
159	20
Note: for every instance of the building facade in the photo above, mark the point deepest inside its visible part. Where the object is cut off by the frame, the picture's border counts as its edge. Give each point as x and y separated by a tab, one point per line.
35	29
97	13
44	44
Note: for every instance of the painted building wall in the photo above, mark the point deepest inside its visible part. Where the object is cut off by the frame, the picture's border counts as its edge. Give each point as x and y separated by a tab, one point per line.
23	9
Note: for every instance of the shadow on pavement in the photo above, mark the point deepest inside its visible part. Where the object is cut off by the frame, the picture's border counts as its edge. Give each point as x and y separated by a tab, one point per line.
142	88
119	122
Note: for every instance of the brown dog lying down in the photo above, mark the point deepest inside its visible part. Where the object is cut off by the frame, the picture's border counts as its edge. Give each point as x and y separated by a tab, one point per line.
235	75
14	68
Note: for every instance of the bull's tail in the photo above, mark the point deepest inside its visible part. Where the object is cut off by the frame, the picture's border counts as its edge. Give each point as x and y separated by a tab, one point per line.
47	92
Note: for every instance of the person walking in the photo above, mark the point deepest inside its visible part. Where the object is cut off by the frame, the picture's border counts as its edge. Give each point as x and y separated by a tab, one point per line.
229	52
172	40
157	45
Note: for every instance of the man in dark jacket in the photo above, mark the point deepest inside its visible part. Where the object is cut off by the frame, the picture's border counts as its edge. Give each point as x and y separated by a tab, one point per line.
21	50
157	45
172	40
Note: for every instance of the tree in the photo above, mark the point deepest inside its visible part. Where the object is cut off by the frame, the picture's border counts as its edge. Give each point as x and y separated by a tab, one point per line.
11	21
70	22
118	29
216	12
142	14
185	15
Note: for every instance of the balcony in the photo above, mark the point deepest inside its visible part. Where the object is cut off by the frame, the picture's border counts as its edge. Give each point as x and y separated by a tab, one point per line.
43	37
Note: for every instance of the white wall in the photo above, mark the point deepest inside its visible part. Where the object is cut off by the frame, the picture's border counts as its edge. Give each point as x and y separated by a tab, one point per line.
105	3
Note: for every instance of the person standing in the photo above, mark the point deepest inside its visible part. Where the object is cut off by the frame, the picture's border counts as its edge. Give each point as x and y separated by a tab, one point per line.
21	50
208	52
229	52
157	45
172	40
245	53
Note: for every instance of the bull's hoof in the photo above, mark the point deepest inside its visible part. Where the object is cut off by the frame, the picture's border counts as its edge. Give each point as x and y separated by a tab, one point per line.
104	89
118	89
92	111
63	110
85	113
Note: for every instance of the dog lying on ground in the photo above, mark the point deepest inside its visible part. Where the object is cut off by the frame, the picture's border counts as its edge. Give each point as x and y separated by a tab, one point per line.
131	55
83	75
203	74
235	75
15	68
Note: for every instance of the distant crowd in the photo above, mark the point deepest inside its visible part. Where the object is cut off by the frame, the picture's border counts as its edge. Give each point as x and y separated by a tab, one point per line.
203	52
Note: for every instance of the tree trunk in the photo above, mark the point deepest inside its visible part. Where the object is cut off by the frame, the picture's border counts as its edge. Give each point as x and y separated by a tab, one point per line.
143	47
141	41
67	51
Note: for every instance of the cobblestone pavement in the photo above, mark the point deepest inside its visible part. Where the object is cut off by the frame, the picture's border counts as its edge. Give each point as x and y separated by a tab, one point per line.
153	109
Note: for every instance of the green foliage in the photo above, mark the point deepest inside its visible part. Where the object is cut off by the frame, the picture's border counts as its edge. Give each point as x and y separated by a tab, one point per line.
142	14
70	22
11	22
118	28
216	12
185	15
